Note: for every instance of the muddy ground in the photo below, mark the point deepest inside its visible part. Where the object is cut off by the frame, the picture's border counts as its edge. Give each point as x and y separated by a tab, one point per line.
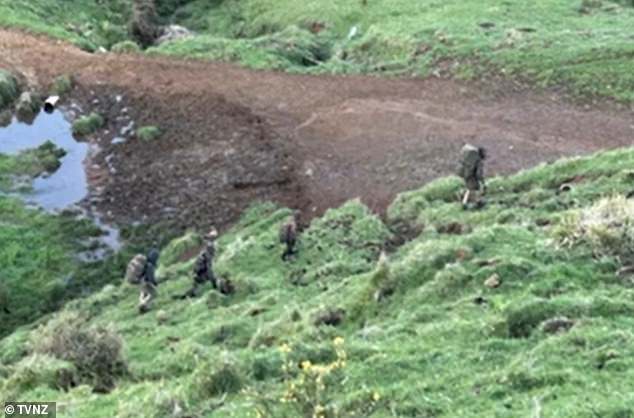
232	135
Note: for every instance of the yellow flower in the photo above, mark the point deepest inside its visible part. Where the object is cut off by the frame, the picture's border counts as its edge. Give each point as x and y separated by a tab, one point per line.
376	396
285	348
338	341
306	364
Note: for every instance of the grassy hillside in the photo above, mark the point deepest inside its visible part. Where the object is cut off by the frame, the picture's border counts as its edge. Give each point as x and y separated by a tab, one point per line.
584	46
88	23
420	333
39	267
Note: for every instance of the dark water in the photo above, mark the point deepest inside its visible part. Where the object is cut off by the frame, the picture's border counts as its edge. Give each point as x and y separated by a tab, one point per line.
68	185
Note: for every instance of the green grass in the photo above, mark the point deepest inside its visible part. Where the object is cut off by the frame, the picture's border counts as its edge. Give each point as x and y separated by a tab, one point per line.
440	344
125	47
88	124
39	268
549	43
87	23
148	133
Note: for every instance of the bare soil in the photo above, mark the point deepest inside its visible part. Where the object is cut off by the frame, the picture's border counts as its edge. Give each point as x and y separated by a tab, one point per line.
232	135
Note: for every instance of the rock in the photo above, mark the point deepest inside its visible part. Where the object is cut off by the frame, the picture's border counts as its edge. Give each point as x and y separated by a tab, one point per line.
162	317
28	107
128	129
493	282
557	325
172	33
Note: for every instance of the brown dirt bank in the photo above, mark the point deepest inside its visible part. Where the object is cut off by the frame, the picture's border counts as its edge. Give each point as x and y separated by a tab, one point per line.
232	135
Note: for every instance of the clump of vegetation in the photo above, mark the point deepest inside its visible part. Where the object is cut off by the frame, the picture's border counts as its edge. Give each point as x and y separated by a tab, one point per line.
125	47
311	390
212	379
144	26
87	125
62	85
29	163
607	226
49	156
9	89
148	133
297	47
95	351
35	371
28	106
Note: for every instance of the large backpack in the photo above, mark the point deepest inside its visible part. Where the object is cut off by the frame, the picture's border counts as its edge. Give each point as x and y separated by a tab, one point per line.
469	161
135	269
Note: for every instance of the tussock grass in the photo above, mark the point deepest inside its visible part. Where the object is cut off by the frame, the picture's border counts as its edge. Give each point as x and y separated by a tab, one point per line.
9	89
88	124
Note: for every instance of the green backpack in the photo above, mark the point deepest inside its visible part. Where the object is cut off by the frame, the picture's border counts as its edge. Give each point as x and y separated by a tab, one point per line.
470	157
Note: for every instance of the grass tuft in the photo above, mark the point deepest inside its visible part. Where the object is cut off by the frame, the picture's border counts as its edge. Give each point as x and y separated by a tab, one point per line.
87	125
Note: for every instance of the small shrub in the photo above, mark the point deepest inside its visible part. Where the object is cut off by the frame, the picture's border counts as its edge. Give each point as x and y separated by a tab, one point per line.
143	26
297	46
49	155
607	226
125	47
35	371
9	89
96	352
310	390
62	85
148	133
87	125
28	106
211	379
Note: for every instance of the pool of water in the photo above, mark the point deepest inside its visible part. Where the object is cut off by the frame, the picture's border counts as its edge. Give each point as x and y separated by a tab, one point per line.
68	185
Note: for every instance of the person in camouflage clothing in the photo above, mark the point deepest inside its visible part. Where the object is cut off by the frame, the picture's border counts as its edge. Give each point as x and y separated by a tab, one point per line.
203	266
148	283
471	170
288	235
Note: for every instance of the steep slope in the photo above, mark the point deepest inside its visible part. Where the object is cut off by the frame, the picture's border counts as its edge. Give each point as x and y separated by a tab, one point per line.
551	338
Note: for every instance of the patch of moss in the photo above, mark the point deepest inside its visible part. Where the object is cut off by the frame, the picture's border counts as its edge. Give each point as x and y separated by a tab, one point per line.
148	133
